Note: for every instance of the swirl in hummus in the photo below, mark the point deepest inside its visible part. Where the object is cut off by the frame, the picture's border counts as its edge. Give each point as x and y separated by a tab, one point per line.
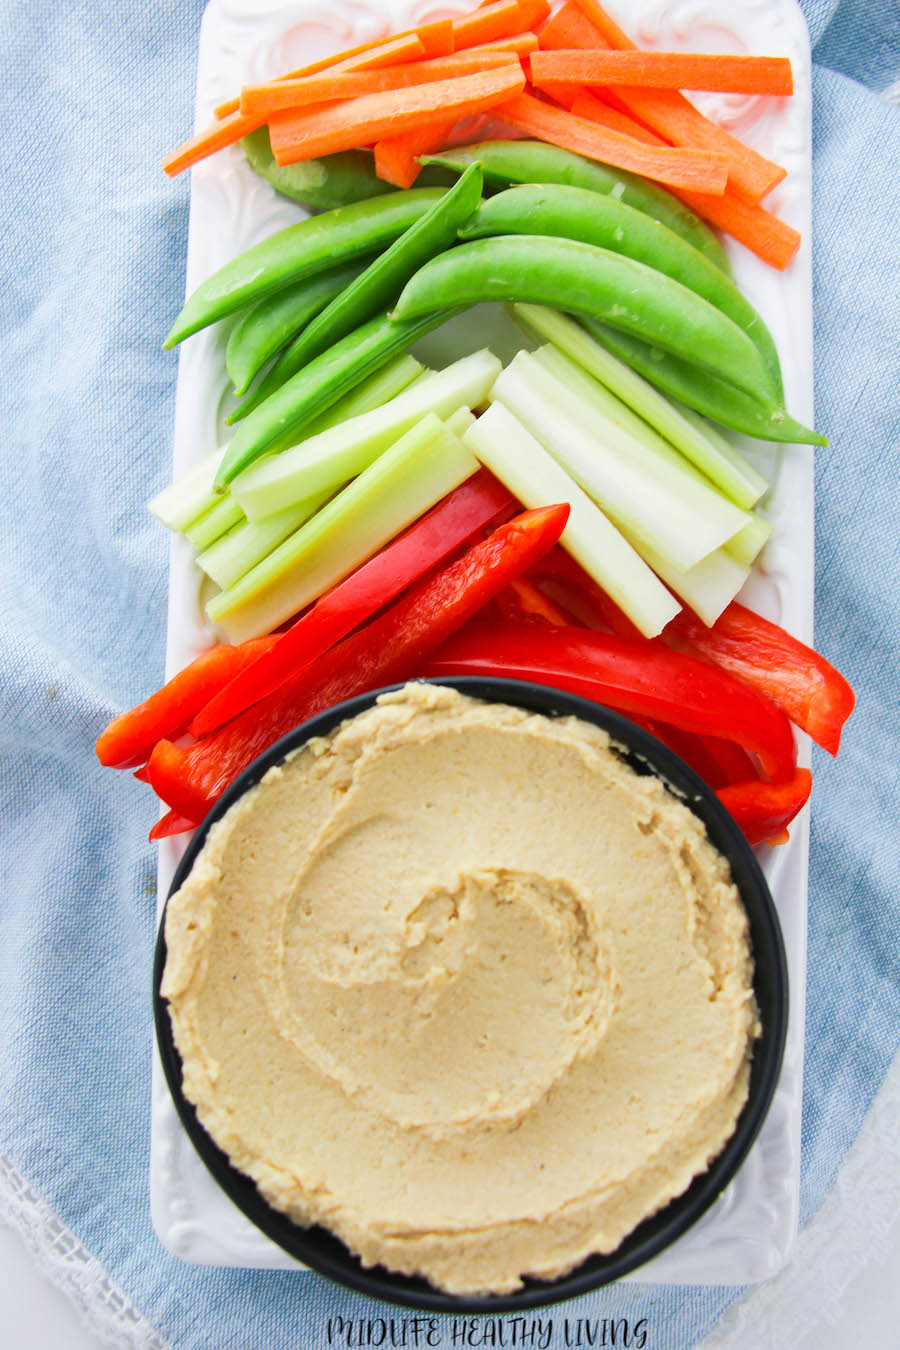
457	983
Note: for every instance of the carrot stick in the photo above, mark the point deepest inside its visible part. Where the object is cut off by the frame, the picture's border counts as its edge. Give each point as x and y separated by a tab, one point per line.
751	175
568	29
397	157
437	37
368	56
666	70
496	20
499	19
224	132
362	121
675	167
586	104
517	44
278	95
771	239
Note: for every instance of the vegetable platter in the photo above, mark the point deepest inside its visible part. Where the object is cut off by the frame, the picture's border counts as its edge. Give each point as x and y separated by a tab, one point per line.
749	1234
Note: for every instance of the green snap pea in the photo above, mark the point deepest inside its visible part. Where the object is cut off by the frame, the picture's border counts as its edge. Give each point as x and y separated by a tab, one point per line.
574	213
535	162
276	423
320	184
595	282
302	250
379	285
713	398
262	332
333	180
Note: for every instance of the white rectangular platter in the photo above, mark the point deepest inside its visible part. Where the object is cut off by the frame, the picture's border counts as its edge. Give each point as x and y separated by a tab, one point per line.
749	1233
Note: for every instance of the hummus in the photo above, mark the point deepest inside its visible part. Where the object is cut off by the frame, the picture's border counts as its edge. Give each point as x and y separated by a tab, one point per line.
458	984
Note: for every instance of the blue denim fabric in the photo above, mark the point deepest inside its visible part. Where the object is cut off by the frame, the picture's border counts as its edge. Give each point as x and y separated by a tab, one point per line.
92	253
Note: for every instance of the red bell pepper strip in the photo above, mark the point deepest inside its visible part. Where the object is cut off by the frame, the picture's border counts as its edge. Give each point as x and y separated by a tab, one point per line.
764	810
633	676
171	823
798	679
522	599
478	502
719	763
129	738
393	647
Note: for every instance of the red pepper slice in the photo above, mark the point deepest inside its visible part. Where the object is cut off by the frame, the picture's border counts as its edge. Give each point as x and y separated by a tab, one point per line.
480	501
633	676
522	599
798	679
171	823
129	738
764	810
393	647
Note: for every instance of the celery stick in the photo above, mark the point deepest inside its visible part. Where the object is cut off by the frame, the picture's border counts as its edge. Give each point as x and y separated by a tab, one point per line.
532	474
409	478
218	519
189	496
336	455
713	455
233	555
664	503
707	588
747	544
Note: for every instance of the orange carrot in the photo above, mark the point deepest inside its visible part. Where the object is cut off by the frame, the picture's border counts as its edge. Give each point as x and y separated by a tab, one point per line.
278	95
521	44
586	104
397	157
223	132
675	167
373	117
751	175
498	19
387	51
771	239
437	37
567	29
666	70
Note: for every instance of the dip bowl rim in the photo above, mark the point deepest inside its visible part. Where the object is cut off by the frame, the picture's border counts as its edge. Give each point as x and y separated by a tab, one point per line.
325	1253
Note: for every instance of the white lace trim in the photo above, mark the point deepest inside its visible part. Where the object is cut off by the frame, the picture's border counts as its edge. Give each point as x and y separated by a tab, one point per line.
105	1309
851	1229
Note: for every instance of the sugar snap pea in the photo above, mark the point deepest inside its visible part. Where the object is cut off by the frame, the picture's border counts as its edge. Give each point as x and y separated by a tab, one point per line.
586	280
320	184
333	180
381	282
713	398
263	330
277	422
535	162
301	251
574	213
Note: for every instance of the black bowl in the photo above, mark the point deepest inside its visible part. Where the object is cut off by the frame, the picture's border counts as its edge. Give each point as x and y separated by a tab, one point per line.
321	1250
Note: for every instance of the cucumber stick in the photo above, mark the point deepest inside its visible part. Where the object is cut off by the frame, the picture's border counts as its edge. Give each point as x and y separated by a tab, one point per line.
531	473
249	542
660	502
179	504
706	449
336	455
424	464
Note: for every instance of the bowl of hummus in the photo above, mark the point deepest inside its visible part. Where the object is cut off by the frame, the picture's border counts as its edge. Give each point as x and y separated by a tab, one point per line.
471	995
